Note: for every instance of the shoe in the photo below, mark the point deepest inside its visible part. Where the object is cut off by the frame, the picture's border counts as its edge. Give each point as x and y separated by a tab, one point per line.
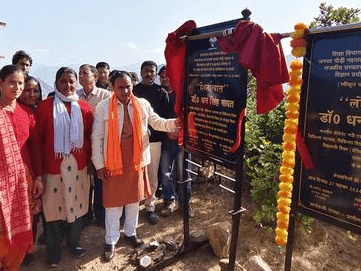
169	208
159	193
134	240
78	251
29	259
53	259
109	252
152	218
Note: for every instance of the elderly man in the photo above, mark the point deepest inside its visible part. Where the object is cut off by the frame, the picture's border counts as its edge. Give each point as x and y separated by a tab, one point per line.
159	100
88	77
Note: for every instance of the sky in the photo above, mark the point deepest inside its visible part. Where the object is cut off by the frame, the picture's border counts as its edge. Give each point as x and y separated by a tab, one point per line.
63	33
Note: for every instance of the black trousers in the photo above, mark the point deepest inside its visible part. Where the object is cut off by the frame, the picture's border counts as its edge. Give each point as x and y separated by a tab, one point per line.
56	231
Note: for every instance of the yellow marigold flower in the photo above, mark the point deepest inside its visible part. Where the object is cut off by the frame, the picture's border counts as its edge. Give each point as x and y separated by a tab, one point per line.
299	33
292	122
289	163
293	106
286	171
283	217
288	155
297	73
289	138
282	233
299	51
286	186
284	201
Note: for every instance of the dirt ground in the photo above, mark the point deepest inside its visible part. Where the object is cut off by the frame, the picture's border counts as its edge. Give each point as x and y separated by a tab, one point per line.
323	248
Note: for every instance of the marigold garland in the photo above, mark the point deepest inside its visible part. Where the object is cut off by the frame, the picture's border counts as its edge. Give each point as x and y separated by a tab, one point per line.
298	44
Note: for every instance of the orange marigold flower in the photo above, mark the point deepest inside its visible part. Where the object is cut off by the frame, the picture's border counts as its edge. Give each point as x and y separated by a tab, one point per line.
281	241
286	179
290	129
292	114
289	163
284	194
290	146
283	209
293	98
295	80
298	42
300	26
296	64
282	224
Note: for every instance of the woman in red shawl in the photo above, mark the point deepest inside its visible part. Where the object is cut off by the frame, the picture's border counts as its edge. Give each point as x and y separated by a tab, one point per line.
19	163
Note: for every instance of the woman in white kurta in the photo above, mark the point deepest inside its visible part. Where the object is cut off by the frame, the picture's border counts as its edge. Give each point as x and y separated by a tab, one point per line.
120	148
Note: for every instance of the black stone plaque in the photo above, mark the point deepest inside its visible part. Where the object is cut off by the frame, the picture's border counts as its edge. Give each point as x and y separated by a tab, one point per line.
216	90
330	123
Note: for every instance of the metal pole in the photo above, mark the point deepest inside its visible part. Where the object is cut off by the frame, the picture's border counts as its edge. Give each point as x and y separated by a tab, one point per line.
237	210
185	203
289	248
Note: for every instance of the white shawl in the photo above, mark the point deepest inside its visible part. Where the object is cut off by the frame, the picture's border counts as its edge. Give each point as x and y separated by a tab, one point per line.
68	130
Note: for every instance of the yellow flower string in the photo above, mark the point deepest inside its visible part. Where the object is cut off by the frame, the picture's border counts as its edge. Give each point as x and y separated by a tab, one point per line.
298	44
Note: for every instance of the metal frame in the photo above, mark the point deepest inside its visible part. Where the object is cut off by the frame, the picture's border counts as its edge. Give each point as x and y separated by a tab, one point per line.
295	208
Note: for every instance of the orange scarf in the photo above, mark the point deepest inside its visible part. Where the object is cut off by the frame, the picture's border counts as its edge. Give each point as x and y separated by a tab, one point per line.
114	163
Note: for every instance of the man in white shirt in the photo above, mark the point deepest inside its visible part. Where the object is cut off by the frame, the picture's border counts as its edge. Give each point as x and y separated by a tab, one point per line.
88	77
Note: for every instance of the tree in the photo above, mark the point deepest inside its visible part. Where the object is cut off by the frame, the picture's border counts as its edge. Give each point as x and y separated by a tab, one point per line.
330	16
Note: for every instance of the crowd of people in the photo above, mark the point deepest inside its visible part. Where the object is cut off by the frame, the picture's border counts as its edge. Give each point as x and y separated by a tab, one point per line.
84	155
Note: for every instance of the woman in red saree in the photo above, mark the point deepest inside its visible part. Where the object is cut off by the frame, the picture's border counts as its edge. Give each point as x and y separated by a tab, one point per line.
19	163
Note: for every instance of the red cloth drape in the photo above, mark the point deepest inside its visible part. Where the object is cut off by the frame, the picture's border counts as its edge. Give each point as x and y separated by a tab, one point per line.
261	53
175	55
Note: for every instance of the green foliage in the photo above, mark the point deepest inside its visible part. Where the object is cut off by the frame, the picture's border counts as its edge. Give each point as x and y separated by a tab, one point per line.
330	16
263	156
306	222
